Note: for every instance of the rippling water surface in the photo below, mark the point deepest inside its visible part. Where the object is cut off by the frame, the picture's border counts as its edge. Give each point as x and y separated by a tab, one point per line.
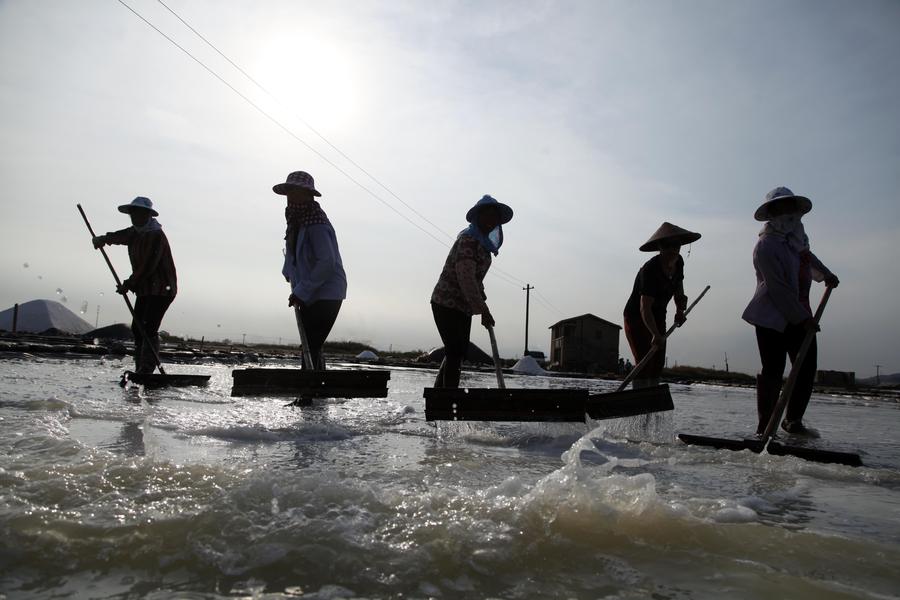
190	493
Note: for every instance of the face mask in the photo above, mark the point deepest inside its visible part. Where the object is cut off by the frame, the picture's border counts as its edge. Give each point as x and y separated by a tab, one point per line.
791	227
496	236
151	225
784	224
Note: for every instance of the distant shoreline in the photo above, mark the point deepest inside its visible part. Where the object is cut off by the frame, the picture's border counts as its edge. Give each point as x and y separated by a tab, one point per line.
33	345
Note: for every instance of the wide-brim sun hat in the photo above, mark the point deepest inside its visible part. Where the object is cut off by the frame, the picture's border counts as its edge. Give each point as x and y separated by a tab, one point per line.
139	202
506	213
297	180
672	234
804	204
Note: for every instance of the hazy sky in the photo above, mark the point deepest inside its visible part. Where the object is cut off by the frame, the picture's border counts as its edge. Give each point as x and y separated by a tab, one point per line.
595	121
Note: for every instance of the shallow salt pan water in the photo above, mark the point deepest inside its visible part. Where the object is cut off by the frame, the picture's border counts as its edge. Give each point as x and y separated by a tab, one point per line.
111	493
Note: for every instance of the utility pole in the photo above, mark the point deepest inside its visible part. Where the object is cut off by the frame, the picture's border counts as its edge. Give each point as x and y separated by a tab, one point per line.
877	374
726	362
244	342
528	287
97	322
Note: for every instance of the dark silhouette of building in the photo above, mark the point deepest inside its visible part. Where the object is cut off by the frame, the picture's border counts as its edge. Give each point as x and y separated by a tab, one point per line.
844	379
586	344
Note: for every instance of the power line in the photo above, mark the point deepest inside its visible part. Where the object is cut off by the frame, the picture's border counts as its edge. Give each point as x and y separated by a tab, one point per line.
304	121
512	279
496	271
543	300
281	126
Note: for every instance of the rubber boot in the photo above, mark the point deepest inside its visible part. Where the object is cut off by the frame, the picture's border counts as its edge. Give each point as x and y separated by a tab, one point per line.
644	383
147	360
767	392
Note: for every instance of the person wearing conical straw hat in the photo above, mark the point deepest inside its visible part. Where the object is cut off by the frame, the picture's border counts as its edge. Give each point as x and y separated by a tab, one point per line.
459	292
312	263
153	278
658	281
780	310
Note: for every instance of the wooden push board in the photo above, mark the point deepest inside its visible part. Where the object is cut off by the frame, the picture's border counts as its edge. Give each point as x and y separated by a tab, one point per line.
478	404
775	448
310	384
629	403
157	380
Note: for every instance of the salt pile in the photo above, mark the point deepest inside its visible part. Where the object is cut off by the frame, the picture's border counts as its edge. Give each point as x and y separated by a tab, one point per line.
528	366
367	355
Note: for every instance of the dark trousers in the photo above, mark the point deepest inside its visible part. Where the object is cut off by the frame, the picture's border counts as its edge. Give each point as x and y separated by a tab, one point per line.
149	312
455	328
774	348
317	320
640	339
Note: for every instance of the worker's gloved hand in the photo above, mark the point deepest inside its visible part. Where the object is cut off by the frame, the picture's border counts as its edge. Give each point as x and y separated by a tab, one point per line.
486	318
658	341
124	287
99	241
832	281
296	302
680	318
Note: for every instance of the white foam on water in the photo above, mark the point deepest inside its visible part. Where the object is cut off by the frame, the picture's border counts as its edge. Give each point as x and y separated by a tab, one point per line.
304	432
211	503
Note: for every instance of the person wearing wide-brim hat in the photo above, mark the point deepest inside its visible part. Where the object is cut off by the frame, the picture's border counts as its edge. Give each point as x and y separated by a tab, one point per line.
659	280
312	263
459	292
780	309
153	278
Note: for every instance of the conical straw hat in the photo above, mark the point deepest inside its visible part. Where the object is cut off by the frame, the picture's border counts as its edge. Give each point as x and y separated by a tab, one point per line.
672	233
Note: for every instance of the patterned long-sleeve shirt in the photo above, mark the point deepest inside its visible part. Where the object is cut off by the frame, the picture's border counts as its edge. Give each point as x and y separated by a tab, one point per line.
783	278
152	267
461	284
315	270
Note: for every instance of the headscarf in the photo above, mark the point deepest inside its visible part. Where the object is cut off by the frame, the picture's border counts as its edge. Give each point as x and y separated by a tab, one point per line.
302	214
490	242
151	225
790	228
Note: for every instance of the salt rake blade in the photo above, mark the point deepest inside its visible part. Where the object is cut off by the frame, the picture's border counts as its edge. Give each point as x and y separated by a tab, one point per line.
509	404
308	383
850	459
157	380
629	403
775	449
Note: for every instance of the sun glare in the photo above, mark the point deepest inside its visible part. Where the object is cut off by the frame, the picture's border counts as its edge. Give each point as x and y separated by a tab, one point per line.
312	79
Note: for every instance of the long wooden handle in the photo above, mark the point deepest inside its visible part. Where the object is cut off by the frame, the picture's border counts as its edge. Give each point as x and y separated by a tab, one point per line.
136	321
788	388
640	366
496	354
307	356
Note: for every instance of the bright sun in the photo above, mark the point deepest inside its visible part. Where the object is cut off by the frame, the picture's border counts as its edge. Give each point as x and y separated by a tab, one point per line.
311	78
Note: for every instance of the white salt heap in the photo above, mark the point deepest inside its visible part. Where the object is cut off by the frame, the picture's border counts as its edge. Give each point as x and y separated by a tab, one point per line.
528	366
367	355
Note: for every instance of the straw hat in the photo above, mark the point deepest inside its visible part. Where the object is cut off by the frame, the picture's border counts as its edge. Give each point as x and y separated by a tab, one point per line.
139	202
671	233
804	204
506	213
297	179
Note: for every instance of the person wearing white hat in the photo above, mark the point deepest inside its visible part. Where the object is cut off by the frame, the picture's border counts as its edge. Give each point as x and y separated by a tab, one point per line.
459	292
780	309
312	263
153	278
659	280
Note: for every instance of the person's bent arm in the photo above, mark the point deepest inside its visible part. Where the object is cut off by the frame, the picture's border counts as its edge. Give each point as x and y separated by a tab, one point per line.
822	273
324	262
650	320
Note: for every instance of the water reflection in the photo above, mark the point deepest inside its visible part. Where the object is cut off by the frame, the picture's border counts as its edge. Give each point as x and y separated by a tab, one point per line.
131	439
